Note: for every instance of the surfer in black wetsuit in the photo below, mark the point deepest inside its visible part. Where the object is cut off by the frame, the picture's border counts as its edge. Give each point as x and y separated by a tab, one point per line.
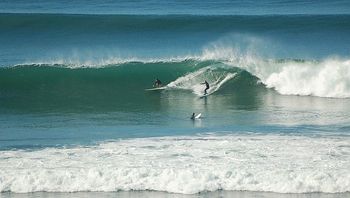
157	83
206	87
193	116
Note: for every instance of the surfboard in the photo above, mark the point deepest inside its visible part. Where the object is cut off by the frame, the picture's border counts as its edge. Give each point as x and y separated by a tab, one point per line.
198	116
203	96
156	88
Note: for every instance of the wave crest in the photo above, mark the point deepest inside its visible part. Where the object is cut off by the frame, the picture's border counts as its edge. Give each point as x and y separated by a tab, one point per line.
324	78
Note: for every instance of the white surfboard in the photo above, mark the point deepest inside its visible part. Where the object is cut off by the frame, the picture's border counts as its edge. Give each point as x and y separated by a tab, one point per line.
205	95
198	116
156	88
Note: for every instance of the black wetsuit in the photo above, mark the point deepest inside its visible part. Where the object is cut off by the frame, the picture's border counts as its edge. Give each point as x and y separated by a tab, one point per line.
193	116
207	87
157	83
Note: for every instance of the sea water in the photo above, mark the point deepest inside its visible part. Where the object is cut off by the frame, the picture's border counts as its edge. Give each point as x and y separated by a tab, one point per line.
75	116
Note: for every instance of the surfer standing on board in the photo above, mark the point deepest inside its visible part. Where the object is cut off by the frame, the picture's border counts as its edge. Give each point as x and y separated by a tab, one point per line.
157	83
206	87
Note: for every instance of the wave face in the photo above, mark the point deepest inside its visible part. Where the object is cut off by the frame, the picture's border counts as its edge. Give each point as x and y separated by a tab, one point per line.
284	164
121	85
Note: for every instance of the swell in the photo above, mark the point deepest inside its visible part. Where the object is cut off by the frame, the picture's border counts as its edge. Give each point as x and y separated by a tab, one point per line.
50	87
115	86
122	85
130	23
32	37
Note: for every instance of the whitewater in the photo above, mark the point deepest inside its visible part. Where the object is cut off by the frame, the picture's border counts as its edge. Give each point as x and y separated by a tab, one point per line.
326	78
183	164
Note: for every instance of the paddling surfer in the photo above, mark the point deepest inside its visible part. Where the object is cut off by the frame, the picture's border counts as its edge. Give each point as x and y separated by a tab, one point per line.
193	116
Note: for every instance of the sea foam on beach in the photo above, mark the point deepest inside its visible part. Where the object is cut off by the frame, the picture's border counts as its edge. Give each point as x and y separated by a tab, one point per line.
187	165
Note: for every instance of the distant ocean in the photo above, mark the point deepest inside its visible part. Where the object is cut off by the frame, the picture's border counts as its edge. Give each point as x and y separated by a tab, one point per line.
75	116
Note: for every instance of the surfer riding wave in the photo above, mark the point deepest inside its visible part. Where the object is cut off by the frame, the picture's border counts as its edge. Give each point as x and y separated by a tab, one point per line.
206	87
157	83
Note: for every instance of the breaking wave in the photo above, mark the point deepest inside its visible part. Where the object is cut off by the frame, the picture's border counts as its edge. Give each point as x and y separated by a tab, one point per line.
322	78
192	164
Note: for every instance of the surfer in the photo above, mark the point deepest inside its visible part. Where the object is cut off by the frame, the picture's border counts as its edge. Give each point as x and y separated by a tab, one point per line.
157	83
193	116
206	87
196	117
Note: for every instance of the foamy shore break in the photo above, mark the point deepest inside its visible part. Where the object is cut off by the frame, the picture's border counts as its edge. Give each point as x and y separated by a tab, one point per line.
185	165
157	194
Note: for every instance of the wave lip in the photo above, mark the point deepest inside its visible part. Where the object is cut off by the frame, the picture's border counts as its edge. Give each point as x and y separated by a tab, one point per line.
188	165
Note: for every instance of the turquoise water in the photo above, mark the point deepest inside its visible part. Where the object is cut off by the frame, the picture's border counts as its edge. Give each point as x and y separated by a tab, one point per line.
50	105
109	39
75	115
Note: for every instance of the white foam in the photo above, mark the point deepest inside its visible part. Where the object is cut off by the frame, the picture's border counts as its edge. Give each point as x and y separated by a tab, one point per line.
328	78
325	78
285	164
77	62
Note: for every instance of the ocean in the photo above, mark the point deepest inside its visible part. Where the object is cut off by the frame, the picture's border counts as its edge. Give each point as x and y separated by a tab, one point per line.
76	118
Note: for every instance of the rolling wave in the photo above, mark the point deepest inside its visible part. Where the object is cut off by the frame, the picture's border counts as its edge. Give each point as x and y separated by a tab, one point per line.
322	78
